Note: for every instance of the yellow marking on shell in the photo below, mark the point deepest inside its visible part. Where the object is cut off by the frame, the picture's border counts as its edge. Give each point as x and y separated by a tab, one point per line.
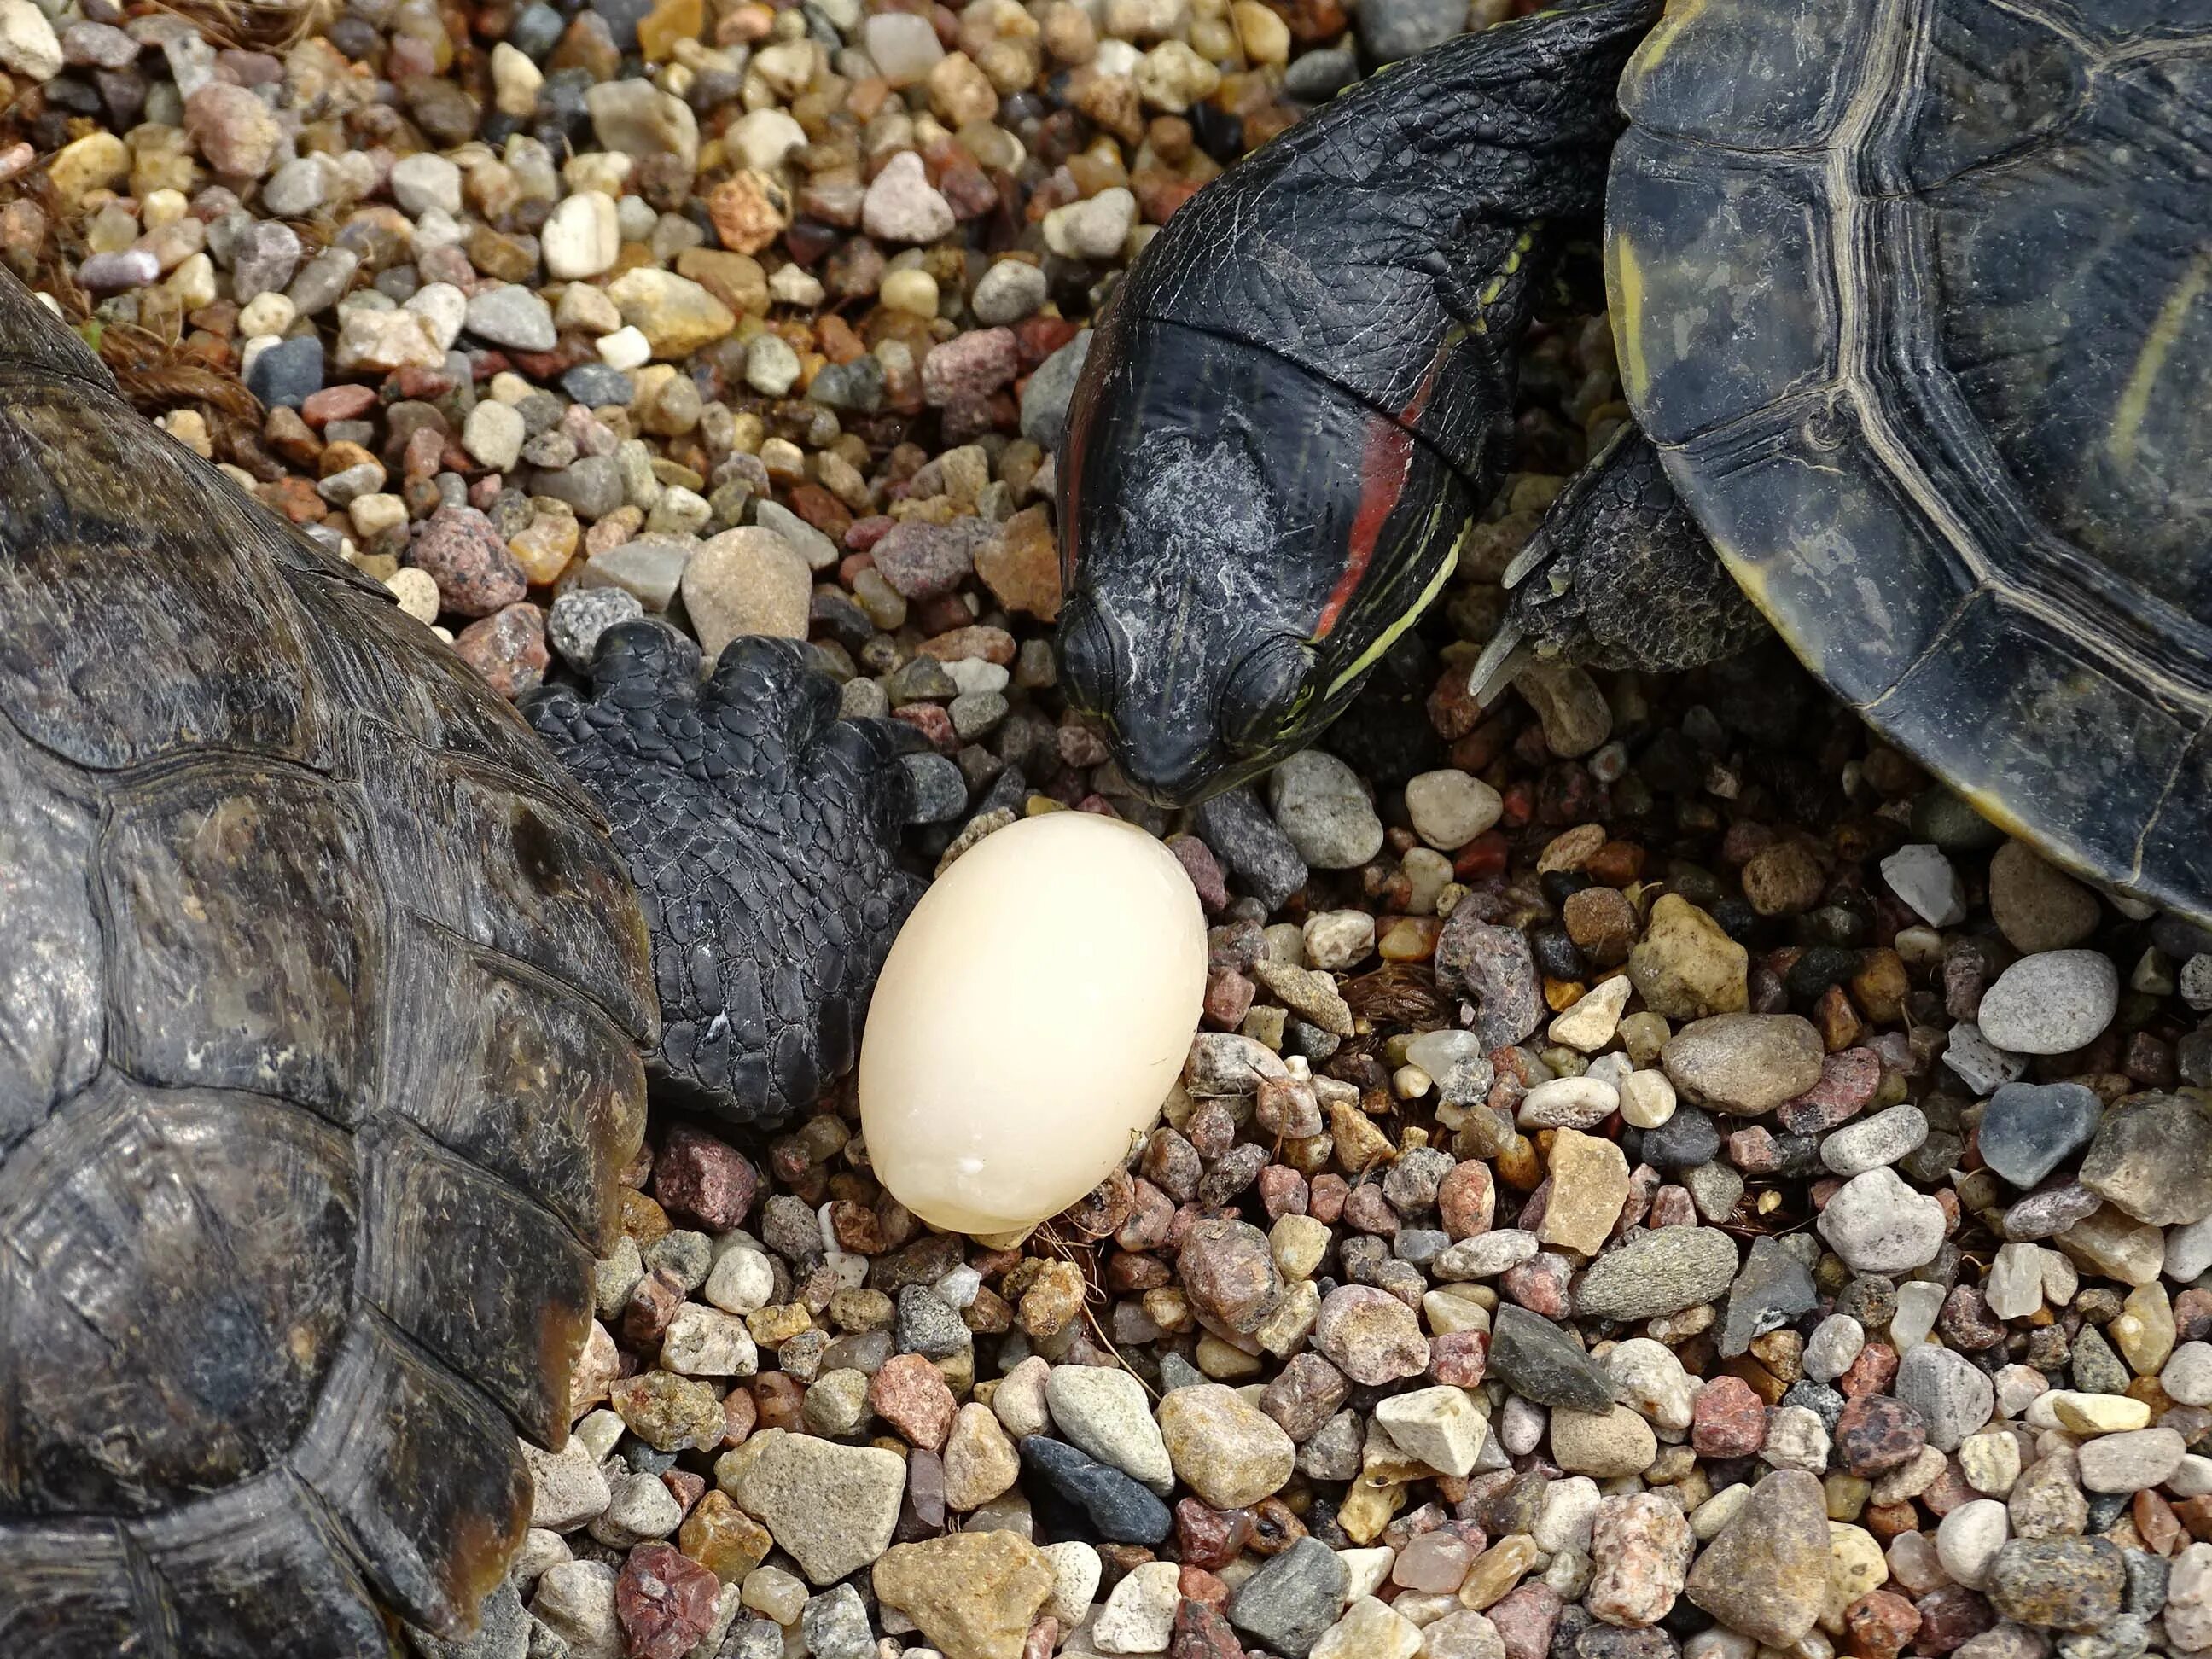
1390	635
1994	809
1679	14
1625	284
2172	317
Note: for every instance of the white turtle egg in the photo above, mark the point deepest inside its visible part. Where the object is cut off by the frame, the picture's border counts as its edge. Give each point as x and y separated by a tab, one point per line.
1030	1018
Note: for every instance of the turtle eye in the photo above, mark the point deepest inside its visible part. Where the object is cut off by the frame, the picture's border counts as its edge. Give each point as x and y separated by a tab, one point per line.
1267	695
1089	660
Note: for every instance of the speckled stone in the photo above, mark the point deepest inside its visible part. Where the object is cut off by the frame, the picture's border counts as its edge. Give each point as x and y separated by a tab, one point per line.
1744	1064
1766	1573
1662	1272
2061	1583
1640	1548
1287	1604
973	1594
2152	1157
1372	1336
1230	1454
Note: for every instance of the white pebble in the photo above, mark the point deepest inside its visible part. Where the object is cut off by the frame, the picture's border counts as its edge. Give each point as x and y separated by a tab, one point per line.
626	348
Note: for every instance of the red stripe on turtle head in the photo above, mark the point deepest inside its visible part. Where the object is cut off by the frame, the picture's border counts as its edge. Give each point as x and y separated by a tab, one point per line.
1384	463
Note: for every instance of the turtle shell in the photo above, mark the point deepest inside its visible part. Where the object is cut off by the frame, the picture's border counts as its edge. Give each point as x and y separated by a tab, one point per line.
1916	298
320	995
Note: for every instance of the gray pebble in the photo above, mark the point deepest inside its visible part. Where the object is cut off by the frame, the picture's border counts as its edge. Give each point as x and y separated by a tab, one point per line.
582	614
1876	1141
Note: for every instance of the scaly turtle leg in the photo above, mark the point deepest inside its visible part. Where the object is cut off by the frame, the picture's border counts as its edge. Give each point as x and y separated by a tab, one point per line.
1619	576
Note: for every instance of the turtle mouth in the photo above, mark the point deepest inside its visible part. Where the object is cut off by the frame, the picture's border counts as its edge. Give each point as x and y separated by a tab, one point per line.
1169	774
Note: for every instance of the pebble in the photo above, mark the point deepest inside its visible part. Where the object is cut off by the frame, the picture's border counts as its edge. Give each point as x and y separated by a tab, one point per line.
2152	1157
1322	806
1443	1427
902	205
1686	967
1117	1508
1105	1411
745	582
1924	878
1094	229
1836	1341
469	560
1392	29
834	1625
2037	907
1640	1550
1744	1064
1369	1629
1588	1024
1878	1224
1228	1452
832	1507
2189	1599
2029	1129
2187	1376
1370	1336
29	45
1773	1288
1139	1615
2132	1461
1659	1273
568	1488
1492	968
1450	808
1953	1395
511	315
1606	1446
1968	1539
575	1602
1537	1359
580	615
1874	1142
1292	1600
2063	1584
972	1595
2050	1003
1590	1184
1248	841
980	1461
1766	1573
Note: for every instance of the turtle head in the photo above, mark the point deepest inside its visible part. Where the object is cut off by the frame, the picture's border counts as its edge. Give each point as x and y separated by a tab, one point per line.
1240	542
1173	638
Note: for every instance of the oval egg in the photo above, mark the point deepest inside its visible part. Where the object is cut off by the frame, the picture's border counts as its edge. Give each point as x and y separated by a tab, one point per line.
1030	1018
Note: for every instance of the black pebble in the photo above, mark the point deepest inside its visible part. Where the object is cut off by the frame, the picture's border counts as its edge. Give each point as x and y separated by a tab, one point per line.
1105	1502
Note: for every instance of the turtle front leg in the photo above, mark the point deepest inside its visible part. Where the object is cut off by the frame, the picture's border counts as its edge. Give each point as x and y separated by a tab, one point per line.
1619	576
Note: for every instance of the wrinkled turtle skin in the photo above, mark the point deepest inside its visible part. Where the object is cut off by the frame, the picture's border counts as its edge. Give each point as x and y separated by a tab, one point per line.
1913	307
1916	303
325	1000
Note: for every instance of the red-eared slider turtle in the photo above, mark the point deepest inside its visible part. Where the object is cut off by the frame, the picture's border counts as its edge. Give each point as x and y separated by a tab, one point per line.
322	996
1913	303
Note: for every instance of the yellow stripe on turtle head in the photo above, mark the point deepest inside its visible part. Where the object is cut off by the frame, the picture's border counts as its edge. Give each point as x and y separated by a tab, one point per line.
1390	635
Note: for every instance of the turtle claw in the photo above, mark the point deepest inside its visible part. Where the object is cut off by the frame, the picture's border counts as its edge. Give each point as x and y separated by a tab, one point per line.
762	833
1506	655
